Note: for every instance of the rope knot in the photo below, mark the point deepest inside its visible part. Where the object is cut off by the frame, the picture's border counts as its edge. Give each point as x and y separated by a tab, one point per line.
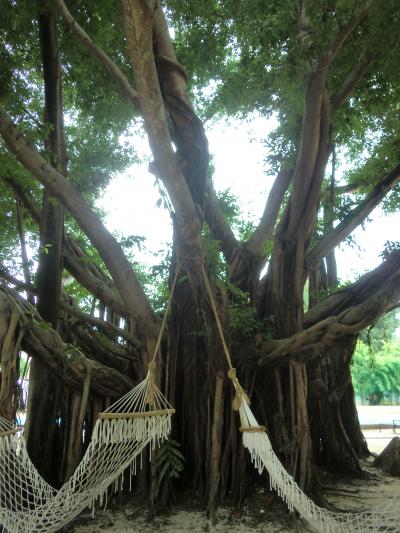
150	396
240	394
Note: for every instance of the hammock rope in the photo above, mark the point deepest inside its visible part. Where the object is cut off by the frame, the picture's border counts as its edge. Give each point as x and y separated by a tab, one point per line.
140	420
256	441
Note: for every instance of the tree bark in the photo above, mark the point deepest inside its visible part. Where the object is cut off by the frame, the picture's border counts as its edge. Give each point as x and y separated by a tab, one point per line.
337	439
44	391
65	361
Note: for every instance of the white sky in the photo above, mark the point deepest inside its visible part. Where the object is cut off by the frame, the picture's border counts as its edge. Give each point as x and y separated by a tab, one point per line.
238	151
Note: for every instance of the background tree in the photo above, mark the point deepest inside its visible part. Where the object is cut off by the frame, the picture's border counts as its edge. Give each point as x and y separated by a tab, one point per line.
329	73
376	363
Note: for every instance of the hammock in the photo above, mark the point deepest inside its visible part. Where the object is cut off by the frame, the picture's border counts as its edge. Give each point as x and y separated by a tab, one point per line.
29	504
140	419
255	439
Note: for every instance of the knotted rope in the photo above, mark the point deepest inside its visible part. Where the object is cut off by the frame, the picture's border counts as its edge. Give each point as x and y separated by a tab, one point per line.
240	394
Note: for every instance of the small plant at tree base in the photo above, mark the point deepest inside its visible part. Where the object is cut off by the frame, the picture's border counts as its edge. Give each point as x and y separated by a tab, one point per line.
168	465
169	460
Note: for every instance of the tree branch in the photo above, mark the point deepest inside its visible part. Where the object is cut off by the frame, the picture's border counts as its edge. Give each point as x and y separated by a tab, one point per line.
255	244
22	241
69	307
219	227
351	81
342	189
138	18
109	329
77	262
309	150
355	293
349	223
310	343
125	279
97	283
65	361
345	32
186	129
111	68
24	198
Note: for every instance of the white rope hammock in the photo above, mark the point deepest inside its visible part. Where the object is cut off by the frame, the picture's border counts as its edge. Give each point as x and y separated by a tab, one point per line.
255	439
29	504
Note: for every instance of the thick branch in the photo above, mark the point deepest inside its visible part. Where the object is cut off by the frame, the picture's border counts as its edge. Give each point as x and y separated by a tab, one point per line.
220	229
355	316
111	68
109	249
308	152
353	294
138	18
353	78
313	197
344	33
65	361
349	223
263	233
185	127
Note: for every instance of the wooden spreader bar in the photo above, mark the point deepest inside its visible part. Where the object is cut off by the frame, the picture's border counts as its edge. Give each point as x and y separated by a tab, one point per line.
159	412
252	429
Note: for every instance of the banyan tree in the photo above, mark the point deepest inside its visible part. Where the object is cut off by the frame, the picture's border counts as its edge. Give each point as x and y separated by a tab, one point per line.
78	78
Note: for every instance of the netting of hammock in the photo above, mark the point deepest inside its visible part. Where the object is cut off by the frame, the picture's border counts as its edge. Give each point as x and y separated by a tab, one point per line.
255	439
29	504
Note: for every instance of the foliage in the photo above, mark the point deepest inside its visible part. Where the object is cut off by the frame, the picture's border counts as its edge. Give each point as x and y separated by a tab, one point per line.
382	333
169	460
230	207
376	376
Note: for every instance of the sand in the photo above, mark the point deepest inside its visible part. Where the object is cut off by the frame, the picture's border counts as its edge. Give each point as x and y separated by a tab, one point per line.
263	513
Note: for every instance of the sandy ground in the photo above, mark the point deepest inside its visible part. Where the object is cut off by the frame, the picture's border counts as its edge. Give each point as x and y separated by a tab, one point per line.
132	520
263	513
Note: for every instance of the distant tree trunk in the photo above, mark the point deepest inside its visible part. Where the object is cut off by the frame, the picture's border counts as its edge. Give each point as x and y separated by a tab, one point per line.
45	391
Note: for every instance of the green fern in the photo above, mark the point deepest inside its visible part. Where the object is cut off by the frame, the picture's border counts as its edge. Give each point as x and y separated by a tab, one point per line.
169	460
